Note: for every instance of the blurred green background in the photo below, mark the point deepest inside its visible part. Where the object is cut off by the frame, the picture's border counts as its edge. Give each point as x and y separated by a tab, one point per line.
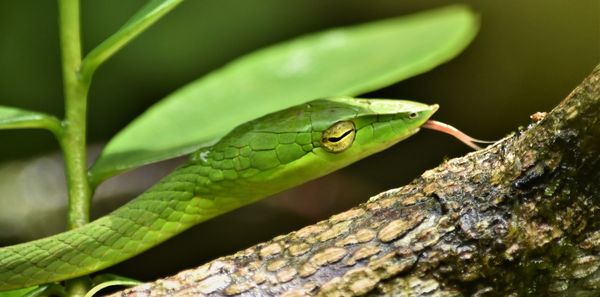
528	56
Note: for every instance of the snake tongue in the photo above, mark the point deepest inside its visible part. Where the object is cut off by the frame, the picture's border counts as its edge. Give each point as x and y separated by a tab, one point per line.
464	138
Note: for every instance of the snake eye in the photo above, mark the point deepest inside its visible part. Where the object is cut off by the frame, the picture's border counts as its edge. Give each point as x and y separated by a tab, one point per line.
413	115
338	137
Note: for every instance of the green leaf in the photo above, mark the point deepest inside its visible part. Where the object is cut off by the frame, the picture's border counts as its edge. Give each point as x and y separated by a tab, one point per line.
15	118
344	61
144	18
21	292
117	281
108	277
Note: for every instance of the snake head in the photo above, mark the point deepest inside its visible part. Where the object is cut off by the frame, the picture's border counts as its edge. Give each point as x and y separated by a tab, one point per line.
289	147
352	129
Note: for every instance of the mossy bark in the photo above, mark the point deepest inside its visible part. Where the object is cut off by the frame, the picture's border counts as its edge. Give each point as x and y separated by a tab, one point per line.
519	218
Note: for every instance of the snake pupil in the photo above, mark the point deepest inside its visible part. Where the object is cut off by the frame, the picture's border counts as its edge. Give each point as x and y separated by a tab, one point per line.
336	139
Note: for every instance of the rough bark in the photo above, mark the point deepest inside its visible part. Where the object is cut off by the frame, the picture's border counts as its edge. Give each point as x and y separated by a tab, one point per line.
519	218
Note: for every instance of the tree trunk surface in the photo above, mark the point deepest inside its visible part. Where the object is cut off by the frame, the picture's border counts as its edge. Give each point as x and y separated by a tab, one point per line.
519	218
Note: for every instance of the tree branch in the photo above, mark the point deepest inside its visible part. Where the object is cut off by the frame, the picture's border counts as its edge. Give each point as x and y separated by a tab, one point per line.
520	218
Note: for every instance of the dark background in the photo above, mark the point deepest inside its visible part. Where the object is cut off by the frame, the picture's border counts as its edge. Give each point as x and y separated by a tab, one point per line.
527	57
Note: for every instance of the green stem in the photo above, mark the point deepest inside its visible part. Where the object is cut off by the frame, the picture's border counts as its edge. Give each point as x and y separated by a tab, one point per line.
73	139
74	136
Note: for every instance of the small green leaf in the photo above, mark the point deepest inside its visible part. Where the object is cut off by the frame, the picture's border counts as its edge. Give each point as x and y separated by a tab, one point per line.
15	118
21	292
344	61
107	277
144	18
117	282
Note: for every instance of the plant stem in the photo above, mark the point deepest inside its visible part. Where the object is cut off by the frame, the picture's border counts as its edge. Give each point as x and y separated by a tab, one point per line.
73	141
74	137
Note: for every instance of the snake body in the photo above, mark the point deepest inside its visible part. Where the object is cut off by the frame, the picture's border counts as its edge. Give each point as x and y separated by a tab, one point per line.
259	158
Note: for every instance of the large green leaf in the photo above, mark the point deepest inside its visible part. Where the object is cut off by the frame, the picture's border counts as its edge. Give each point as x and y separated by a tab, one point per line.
15	118
344	61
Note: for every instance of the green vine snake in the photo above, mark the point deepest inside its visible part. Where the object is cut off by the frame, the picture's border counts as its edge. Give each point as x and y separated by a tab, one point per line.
256	159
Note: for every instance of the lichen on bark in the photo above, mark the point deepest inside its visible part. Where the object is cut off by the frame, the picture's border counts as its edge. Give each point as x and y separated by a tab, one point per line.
519	218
